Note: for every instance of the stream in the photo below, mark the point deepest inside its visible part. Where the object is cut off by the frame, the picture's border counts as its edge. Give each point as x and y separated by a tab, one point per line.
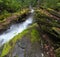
23	47
15	29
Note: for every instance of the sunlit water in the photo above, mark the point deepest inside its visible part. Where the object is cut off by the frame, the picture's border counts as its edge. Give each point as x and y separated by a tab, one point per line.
15	29
32	10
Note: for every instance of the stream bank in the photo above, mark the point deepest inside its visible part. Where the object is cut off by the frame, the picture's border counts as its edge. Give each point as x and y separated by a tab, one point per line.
25	44
13	18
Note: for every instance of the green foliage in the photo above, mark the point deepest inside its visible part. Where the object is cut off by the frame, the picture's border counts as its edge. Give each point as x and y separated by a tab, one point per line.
9	5
58	6
50	3
57	52
4	15
33	3
14	5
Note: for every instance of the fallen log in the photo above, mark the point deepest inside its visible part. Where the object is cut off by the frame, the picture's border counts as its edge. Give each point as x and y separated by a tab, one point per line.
46	23
15	17
45	19
49	24
45	13
53	12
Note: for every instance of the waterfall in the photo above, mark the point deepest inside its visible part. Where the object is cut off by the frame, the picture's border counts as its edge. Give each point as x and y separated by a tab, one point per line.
15	29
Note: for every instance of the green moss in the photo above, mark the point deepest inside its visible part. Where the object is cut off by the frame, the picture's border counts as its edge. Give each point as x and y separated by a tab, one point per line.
4	16
23	11
34	36
5	49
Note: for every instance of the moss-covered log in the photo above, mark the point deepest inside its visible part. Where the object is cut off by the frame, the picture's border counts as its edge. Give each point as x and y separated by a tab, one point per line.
49	25
14	17
45	13
53	12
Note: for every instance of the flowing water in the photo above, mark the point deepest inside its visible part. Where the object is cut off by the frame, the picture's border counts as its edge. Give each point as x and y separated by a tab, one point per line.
24	42
15	29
